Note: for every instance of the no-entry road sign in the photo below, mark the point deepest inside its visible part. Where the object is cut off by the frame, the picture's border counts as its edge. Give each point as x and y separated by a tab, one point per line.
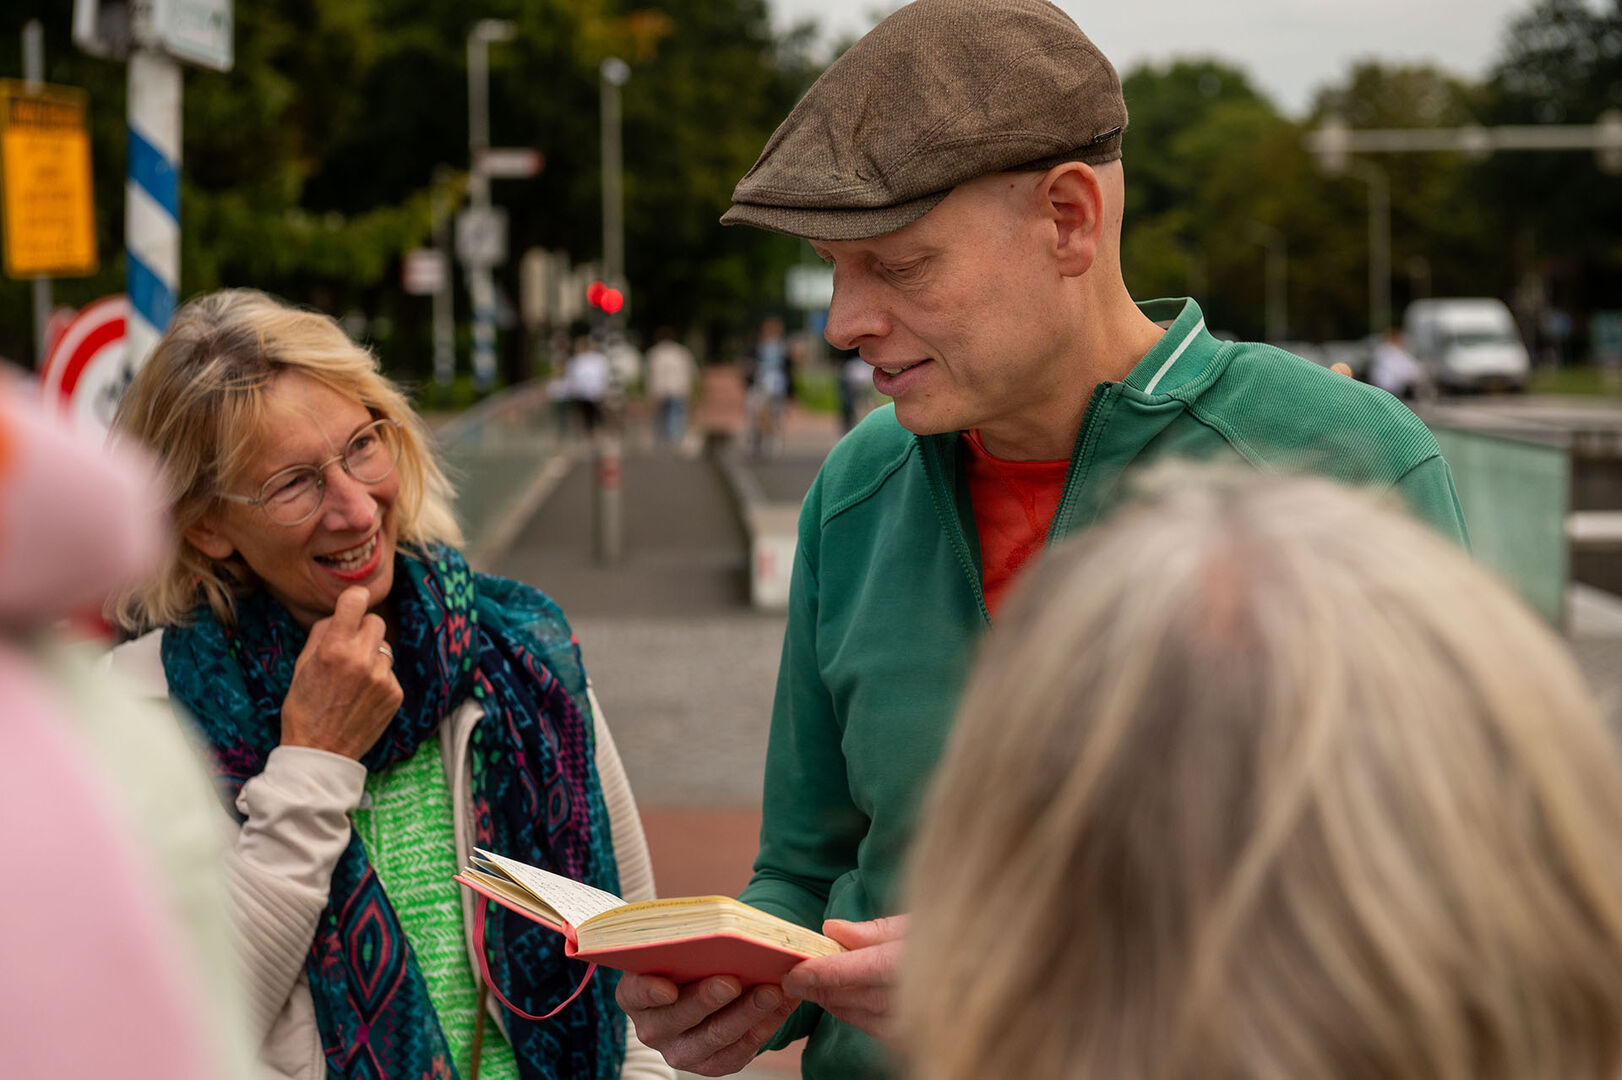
86	371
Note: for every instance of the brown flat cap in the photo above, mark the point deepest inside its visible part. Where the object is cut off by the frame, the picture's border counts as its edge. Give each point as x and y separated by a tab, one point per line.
939	93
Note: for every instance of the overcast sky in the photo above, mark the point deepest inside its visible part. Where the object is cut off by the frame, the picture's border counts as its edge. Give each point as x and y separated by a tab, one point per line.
1289	47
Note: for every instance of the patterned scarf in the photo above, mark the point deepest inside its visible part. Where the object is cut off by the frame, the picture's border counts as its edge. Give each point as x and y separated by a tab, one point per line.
535	793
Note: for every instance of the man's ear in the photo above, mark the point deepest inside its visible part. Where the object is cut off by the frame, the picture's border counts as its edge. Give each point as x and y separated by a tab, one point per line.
206	537
1073	199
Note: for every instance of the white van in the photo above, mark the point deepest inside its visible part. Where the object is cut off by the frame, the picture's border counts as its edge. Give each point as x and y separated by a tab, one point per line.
1467	344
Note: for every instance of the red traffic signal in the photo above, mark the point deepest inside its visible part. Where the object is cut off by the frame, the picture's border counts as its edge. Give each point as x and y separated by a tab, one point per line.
603	298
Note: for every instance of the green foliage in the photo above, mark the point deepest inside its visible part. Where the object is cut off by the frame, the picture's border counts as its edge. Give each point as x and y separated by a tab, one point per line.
696	117
461	393
309	168
1560	214
1202	157
315	163
1164	103
1213	169
1586	380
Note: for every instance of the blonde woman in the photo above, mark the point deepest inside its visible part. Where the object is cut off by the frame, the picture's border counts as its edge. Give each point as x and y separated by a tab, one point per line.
375	709
1263	781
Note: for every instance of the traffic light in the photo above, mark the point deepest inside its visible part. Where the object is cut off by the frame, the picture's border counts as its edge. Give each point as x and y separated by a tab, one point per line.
605	299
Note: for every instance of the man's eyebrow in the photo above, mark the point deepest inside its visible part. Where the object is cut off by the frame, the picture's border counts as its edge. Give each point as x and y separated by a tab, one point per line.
916	253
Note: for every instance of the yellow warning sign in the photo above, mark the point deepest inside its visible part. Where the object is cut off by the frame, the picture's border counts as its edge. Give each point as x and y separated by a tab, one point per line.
49	209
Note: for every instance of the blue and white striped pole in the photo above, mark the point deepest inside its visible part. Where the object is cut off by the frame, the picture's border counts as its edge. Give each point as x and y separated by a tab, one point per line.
151	201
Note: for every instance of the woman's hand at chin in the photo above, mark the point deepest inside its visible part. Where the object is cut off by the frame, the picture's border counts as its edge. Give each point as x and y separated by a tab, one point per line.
344	692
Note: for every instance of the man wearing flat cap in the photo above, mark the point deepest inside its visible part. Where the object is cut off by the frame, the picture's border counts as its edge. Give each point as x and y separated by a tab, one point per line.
960	169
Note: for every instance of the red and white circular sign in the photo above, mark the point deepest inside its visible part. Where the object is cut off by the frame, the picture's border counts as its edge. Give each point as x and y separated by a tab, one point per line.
85	370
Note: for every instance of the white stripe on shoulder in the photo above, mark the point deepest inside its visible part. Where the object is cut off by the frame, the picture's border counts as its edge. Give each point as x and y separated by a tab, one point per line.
1172	359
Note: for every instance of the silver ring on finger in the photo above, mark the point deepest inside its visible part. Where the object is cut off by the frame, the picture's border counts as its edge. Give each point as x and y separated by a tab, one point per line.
386	651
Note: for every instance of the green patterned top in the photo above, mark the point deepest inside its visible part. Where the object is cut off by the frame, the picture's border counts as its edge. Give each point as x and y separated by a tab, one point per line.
406	822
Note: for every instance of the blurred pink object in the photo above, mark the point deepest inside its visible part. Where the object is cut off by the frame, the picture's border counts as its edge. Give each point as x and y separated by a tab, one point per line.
96	978
76	520
90	986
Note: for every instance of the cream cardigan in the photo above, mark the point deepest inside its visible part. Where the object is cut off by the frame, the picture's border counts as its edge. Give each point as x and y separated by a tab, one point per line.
295	829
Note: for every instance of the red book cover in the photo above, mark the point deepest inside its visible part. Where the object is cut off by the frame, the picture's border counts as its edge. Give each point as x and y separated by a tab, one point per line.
682	960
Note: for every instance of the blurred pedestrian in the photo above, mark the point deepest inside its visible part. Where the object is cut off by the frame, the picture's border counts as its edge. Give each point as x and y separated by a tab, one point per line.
588	379
960	168
1265	779
1605	338
1394	369
1554	331
624	366
768	385
376	709
114	928
671	371
855	384
560	347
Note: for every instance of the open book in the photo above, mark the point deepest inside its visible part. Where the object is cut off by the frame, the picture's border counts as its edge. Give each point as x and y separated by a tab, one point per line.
683	939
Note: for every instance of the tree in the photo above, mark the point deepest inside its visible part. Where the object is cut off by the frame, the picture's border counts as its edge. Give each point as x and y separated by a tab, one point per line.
1438	219
1204	150
1558	212
309	168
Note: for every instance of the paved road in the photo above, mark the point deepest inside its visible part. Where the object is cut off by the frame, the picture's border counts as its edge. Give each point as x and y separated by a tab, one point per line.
684	548
683	667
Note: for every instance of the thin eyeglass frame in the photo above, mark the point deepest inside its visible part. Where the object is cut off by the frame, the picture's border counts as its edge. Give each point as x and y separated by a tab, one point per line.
379	425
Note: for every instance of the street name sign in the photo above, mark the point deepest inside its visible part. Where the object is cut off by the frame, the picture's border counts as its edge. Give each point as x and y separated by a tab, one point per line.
481	235
198	31
422	271
511	162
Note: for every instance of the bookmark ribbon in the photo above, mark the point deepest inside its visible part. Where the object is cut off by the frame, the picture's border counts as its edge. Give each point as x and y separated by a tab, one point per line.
484	970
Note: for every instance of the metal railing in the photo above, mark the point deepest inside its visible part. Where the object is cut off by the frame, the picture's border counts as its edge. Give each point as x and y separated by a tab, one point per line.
502	455
1516	496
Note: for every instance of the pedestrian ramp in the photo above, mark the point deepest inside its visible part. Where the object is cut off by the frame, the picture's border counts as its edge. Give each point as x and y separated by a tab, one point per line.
768	493
503	457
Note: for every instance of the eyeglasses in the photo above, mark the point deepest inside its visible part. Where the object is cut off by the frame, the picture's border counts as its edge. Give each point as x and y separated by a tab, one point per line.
292	496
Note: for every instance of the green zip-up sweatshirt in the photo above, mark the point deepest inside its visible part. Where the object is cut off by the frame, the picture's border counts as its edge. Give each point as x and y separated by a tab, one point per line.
886	603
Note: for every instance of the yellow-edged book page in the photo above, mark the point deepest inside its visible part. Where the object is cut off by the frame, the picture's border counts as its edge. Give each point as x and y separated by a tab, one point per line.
676	918
575	902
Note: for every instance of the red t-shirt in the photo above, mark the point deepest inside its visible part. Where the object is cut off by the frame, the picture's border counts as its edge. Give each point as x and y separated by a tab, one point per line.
1014	503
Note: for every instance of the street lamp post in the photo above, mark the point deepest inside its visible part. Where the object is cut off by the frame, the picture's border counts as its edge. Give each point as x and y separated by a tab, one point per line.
1379	241
34	78
481	282
1419	277
607	500
1333	139
1333	144
441	206
1278	262
1194	265
615	73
